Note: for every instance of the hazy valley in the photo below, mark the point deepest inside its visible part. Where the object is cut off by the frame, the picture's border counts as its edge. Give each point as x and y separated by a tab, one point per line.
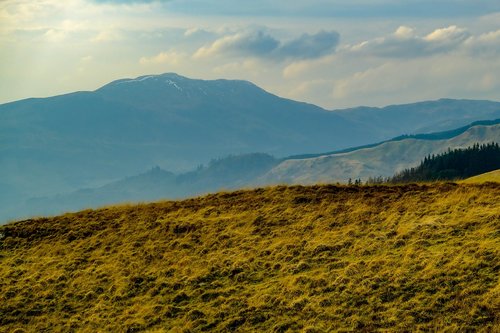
88	149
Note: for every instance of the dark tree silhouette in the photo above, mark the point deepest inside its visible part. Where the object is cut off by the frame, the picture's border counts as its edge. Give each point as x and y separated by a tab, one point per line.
453	164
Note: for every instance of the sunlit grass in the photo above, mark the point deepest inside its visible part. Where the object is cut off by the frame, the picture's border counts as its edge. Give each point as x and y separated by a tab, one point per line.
493	176
312	259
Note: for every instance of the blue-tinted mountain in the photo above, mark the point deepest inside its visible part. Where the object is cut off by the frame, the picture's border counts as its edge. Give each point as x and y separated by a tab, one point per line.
422	117
89	139
50	145
231	172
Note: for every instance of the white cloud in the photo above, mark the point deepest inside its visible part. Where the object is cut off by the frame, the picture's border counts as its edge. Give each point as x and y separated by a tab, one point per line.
490	37
377	61
455	76
380	79
233	69
299	68
310	90
55	36
108	35
255	43
86	59
404	32
63	30
405	43
84	63
168	57
484	45
463	67
493	18
446	34
193	31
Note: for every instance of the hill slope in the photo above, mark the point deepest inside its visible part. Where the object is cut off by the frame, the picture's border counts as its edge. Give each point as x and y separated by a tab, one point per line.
379	160
493	176
443	135
322	258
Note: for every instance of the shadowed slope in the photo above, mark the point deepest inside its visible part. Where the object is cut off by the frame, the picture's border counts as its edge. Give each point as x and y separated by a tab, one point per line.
319	258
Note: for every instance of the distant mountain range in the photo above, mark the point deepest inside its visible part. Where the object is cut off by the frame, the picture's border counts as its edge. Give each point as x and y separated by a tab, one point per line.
422	117
252	170
50	146
227	173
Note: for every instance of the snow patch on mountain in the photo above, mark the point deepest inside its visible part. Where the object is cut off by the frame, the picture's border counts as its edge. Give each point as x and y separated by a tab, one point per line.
172	83
139	79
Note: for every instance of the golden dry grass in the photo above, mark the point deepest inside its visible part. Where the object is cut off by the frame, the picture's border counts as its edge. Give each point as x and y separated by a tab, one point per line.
310	259
493	176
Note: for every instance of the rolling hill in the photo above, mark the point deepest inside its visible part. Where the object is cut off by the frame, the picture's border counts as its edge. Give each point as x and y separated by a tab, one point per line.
251	170
311	259
383	159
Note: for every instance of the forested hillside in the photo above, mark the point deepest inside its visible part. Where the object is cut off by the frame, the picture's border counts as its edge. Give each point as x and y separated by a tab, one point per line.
453	164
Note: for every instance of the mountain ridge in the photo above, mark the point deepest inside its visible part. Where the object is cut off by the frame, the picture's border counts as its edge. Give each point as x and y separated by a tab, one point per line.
428	116
89	139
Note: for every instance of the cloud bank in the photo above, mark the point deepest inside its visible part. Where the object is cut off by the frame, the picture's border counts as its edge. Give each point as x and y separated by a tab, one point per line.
334	53
261	44
405	43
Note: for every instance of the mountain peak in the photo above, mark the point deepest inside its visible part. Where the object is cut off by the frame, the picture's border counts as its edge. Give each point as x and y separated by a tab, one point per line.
170	89
170	79
167	78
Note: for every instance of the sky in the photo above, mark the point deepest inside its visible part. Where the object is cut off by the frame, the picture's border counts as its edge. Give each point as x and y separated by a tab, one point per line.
333	53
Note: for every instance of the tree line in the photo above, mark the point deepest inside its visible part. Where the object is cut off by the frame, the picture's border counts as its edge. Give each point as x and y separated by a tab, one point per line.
451	165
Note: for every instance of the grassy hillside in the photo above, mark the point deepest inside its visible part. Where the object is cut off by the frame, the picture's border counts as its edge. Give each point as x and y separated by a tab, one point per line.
311	259
493	176
445	135
383	160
